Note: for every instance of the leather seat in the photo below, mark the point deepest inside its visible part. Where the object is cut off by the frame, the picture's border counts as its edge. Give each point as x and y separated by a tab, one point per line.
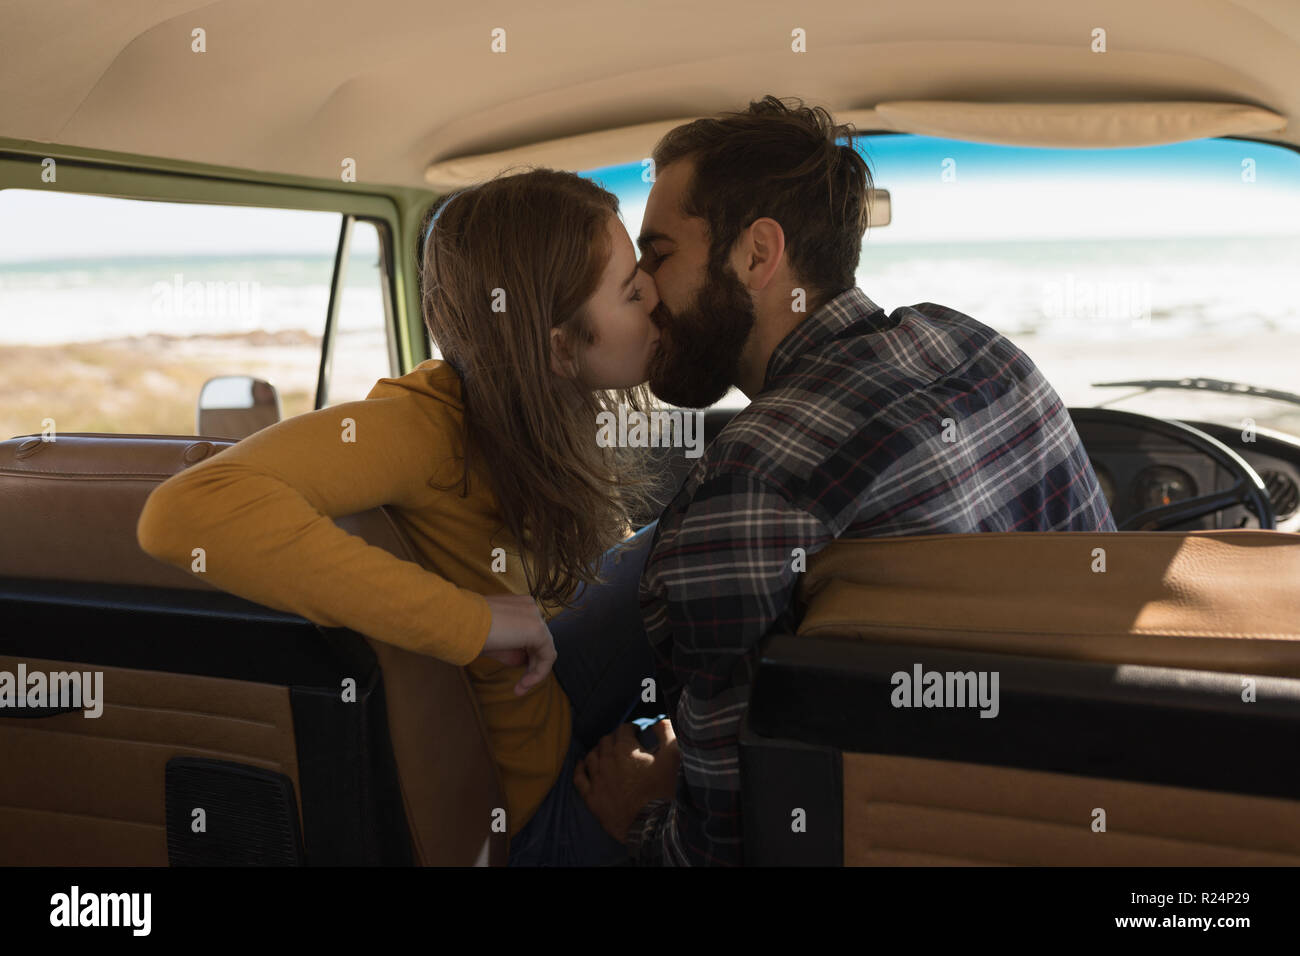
69	510
1146	714
1205	600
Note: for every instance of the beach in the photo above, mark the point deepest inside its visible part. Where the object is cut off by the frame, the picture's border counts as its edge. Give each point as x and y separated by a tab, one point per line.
110	345
150	384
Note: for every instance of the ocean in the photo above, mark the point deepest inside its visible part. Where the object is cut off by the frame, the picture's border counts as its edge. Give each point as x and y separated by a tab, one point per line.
1081	290
1085	311
86	300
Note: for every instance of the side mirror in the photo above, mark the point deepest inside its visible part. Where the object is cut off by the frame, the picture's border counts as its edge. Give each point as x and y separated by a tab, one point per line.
235	406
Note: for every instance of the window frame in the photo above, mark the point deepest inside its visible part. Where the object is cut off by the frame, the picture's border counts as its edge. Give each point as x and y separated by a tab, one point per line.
342	258
90	177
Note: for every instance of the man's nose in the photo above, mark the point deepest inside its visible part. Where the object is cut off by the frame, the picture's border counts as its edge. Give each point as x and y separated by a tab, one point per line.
651	294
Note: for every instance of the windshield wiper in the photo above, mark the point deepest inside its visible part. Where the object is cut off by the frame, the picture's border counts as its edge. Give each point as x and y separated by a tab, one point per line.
1206	385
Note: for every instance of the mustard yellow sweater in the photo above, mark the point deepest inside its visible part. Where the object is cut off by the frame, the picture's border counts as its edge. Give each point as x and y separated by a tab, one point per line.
262	511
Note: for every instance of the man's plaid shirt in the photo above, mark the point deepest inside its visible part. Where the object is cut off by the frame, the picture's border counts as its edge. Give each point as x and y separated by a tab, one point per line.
923	421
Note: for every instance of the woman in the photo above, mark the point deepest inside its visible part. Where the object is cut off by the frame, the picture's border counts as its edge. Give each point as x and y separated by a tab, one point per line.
488	458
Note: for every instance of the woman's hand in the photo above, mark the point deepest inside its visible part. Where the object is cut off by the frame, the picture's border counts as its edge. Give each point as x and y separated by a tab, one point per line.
518	636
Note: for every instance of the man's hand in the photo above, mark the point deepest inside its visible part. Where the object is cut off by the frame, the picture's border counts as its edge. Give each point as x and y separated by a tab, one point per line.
617	778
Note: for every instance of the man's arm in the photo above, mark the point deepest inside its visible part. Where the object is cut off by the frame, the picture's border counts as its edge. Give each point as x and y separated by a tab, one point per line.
726	573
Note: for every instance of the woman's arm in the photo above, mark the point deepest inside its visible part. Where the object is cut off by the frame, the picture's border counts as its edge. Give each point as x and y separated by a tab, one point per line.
262	512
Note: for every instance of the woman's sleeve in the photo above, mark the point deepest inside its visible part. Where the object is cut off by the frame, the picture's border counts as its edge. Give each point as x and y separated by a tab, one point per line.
262	512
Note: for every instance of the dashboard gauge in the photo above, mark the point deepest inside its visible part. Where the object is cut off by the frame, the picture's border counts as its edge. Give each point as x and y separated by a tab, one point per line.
1162	485
1107	483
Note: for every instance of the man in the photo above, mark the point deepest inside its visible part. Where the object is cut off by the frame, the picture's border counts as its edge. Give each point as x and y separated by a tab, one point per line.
922	421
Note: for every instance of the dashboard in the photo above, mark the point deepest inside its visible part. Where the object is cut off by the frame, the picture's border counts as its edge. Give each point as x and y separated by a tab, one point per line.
1138	470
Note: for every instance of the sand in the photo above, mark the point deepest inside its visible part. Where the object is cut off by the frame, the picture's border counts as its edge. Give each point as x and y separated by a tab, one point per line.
148	384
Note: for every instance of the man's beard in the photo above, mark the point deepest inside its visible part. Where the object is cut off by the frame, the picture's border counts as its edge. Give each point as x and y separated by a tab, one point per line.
700	347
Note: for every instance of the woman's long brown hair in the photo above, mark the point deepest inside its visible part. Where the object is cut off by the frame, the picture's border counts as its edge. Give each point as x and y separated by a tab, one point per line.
507	261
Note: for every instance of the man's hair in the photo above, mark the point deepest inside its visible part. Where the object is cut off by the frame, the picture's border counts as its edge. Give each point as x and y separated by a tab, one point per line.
784	162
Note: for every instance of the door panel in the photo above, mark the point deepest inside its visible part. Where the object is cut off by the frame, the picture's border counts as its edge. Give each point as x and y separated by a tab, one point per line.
81	791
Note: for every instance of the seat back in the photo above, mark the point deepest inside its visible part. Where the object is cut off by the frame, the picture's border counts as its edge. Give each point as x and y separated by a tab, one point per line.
1206	600
406	778
1147	690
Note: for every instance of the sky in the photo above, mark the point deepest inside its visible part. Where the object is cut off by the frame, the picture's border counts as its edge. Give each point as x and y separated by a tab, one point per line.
49	225
1002	193
997	193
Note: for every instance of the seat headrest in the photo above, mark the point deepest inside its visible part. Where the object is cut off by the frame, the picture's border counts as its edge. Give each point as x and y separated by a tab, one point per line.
1206	600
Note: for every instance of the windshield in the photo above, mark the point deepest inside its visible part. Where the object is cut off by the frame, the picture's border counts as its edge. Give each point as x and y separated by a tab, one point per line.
1159	262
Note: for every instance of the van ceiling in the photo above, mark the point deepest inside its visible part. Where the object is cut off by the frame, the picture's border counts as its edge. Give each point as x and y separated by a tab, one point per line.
297	86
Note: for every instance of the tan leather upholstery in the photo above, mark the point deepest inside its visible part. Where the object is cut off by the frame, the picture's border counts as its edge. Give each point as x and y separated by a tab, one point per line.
901	811
89	792
69	509
1210	600
1206	600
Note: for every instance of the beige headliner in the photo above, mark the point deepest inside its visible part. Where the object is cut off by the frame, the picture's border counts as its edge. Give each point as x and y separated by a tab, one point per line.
403	86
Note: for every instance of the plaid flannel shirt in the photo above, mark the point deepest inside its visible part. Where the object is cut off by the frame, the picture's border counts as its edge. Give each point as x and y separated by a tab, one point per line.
923	421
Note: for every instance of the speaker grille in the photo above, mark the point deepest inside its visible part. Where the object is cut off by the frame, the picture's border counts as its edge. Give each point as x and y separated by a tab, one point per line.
1282	493
250	815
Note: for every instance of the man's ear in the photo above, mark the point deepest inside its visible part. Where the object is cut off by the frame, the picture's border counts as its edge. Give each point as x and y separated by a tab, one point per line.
763	250
563	361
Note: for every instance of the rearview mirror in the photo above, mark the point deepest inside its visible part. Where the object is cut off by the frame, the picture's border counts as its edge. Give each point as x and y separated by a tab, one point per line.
878	208
235	406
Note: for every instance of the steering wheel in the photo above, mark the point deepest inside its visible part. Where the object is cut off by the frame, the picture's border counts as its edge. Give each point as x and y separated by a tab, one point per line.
1247	487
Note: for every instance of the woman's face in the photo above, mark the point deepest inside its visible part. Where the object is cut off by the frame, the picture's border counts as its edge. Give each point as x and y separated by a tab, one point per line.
618	313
